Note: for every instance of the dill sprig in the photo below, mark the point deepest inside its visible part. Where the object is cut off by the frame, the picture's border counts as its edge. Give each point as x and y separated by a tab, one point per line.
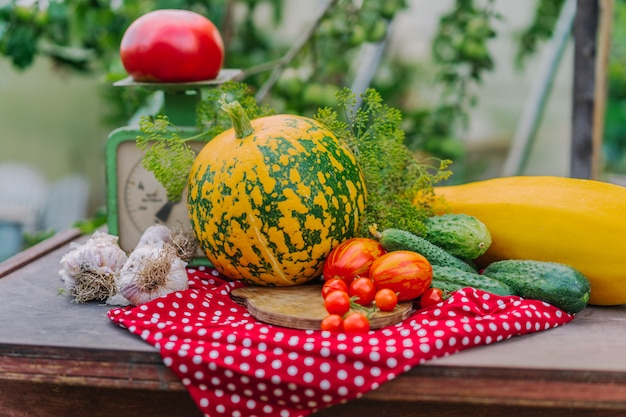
394	178
168	154
213	120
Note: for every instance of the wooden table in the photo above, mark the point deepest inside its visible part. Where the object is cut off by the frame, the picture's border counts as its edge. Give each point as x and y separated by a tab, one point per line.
63	359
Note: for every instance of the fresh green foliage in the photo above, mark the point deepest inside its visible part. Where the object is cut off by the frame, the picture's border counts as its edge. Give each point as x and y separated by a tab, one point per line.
213	120
461	55
614	141
88	226
167	152
541	28
33	238
393	176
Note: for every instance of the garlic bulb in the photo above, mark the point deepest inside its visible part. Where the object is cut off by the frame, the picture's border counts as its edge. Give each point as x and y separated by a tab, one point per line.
184	241
155	235
151	272
90	270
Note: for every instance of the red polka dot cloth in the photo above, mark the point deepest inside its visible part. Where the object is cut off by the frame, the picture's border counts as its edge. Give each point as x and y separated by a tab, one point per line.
234	365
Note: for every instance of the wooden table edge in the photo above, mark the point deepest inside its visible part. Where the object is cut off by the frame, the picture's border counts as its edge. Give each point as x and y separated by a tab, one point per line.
34	252
581	389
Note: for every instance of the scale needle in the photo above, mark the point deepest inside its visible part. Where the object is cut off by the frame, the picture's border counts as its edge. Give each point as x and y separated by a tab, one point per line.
164	212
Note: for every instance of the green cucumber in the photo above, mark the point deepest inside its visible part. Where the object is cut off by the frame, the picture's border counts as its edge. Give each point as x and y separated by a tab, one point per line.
554	283
396	239
446	277
461	235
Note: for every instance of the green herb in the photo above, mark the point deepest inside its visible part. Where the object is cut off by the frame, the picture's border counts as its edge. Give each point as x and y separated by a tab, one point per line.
394	178
167	152
213	120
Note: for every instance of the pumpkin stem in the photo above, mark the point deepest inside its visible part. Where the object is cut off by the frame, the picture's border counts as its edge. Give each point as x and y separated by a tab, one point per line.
239	118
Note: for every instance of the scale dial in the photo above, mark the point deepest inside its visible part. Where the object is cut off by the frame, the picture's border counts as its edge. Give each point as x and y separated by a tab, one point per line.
146	202
135	198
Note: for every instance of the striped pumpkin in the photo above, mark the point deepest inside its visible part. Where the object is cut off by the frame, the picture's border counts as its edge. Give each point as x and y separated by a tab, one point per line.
270	198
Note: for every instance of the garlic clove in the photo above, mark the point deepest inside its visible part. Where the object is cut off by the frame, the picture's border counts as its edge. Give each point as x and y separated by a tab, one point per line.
155	235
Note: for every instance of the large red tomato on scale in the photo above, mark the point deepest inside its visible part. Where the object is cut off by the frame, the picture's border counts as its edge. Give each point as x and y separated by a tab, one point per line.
172	46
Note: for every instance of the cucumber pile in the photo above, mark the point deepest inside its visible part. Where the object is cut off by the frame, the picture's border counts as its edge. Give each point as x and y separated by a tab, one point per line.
451	243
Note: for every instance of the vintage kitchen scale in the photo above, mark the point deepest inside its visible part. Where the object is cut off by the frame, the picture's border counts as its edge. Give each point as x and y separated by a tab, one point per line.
135	199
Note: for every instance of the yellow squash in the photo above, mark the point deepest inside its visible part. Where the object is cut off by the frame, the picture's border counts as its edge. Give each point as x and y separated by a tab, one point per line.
581	223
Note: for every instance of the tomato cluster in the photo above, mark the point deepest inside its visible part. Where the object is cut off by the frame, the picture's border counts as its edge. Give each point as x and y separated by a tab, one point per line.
361	277
406	273
350	306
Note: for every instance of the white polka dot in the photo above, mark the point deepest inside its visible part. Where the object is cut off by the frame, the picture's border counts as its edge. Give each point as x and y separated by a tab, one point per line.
392	362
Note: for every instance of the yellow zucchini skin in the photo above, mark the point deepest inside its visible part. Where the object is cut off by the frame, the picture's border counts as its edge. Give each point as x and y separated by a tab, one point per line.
576	222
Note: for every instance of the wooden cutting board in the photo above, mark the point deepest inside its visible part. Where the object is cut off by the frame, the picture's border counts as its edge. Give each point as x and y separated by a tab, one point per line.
302	307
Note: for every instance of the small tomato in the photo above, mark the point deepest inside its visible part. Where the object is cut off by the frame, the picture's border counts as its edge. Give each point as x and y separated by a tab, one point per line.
333	285
337	302
406	273
172	46
352	258
332	323
356	323
430	297
385	299
363	289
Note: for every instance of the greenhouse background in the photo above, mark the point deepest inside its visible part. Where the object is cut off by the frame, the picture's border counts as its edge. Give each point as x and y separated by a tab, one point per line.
56	113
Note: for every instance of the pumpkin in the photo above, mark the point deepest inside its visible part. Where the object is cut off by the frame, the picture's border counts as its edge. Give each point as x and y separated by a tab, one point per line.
575	222
270	198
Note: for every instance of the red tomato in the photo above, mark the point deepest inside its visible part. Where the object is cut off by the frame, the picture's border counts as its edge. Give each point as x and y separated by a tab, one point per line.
332	323
356	323
431	297
364	289
351	258
337	302
172	46
406	273
386	299
333	285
